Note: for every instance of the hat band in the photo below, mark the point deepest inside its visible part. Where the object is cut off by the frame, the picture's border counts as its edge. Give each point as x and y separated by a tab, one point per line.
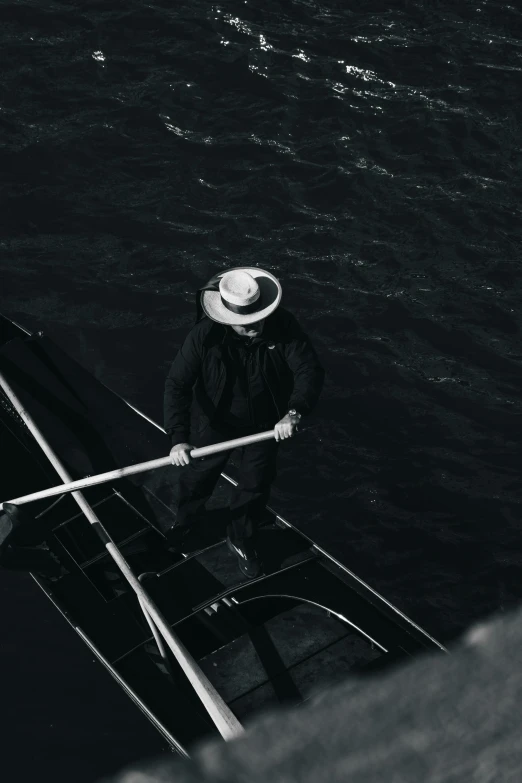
241	309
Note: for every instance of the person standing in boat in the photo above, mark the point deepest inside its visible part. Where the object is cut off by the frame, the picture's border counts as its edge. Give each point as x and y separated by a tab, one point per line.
246	366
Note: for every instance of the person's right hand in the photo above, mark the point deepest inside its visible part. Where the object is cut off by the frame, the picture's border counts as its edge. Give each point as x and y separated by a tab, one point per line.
180	454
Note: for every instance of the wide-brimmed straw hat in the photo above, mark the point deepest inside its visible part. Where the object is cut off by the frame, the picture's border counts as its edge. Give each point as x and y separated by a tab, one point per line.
241	296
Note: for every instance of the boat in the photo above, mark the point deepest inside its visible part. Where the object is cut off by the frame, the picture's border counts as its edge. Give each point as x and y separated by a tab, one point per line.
307	622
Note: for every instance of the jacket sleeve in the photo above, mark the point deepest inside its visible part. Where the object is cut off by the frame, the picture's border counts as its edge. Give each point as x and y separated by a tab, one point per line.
306	368
180	381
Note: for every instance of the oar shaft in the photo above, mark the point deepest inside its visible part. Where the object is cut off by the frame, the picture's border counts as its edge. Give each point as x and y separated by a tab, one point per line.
141	467
224	719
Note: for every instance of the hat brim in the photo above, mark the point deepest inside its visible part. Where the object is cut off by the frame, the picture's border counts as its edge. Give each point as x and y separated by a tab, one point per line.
270	293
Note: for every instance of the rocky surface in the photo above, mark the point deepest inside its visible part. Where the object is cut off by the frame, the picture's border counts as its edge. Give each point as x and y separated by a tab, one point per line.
437	719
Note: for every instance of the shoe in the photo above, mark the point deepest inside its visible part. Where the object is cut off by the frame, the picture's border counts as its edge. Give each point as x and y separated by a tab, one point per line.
248	560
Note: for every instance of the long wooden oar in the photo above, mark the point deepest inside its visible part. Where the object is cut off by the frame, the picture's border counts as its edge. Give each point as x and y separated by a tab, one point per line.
223	717
140	467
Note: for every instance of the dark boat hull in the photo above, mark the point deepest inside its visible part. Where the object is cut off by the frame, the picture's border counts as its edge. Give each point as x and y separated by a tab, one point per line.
307	622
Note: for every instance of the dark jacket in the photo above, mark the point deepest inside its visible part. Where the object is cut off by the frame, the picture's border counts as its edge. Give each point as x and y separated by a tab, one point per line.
287	361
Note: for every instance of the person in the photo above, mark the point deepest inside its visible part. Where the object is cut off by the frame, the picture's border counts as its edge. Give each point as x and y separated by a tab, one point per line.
245	366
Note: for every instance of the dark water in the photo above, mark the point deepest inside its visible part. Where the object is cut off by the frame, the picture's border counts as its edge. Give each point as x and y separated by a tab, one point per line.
369	158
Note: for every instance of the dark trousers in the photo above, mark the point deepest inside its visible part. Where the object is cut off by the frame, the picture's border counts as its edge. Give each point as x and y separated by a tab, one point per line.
257	471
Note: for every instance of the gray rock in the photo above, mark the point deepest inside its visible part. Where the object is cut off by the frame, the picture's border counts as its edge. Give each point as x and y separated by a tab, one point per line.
436	719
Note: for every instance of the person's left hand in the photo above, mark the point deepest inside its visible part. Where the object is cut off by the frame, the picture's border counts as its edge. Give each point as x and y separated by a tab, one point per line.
286	427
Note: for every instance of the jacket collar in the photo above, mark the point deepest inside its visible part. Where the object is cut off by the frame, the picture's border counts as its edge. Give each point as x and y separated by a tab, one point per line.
272	333
245	342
